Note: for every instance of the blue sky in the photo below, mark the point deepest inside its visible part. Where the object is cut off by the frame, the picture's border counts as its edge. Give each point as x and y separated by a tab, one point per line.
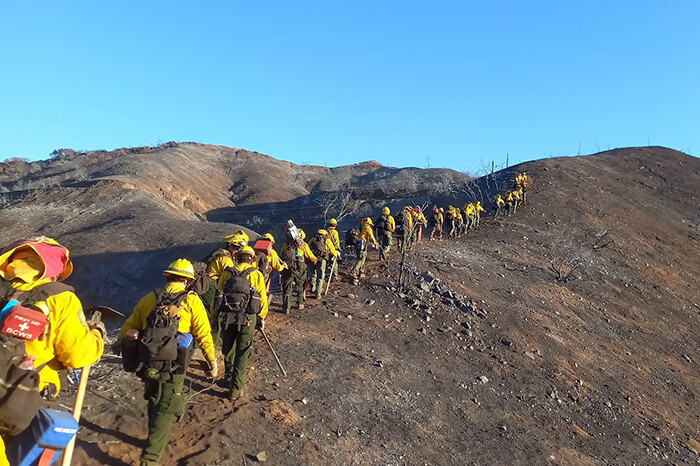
441	83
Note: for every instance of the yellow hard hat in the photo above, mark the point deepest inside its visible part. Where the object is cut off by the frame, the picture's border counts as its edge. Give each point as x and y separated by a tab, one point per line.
333	222
238	239
302	233
269	236
246	250
322	232
367	221
442	209
386	211
182	268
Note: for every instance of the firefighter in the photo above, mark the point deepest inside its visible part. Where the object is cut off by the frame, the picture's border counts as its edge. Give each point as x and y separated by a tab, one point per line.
322	247
366	238
385	227
242	305
295	254
167	311
500	206
30	272
332	228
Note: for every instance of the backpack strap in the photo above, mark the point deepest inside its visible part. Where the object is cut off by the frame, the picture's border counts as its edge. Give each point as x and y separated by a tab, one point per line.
39	293
163	296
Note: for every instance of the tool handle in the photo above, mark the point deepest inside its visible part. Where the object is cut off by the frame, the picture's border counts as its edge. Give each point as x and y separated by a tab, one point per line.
330	276
267	340
79	398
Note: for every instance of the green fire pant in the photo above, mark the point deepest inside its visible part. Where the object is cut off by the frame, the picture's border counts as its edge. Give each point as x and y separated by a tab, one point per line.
317	275
360	264
165	404
237	348
386	240
289	280
453	229
208	301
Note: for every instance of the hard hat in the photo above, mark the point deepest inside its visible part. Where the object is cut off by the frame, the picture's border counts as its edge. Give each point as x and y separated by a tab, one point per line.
442	209
435	208
237	239
386	211
246	250
302	233
368	221
181	268
333	222
322	232
268	236
55	257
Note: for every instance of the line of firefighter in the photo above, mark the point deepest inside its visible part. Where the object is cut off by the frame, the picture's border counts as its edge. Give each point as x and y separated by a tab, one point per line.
199	300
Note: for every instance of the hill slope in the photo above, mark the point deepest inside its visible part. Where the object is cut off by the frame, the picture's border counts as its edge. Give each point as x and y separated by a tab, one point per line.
126	214
487	358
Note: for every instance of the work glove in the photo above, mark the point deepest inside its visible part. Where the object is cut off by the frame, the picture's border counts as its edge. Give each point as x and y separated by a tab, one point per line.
100	327
260	324
117	348
213	369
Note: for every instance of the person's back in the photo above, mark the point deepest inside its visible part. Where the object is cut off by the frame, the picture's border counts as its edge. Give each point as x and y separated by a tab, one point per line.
243	300
152	321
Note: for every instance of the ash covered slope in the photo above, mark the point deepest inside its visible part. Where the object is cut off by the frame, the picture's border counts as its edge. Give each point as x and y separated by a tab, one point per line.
487	358
192	179
126	213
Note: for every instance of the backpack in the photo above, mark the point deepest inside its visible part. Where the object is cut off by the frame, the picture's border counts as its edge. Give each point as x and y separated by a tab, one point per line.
351	237
290	257
238	295
20	398
399	221
264	265
318	247
203	282
158	341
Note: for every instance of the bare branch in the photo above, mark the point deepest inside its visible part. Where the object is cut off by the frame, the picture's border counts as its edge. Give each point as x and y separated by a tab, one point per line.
564	268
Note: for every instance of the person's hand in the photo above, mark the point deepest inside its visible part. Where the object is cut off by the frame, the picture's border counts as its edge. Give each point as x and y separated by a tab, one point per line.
100	327
117	348
260	325
213	369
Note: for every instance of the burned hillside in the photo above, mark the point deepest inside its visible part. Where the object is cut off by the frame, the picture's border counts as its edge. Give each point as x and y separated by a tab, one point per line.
567	333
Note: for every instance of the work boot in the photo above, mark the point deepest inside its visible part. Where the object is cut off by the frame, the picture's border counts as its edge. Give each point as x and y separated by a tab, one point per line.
233	395
285	310
301	306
